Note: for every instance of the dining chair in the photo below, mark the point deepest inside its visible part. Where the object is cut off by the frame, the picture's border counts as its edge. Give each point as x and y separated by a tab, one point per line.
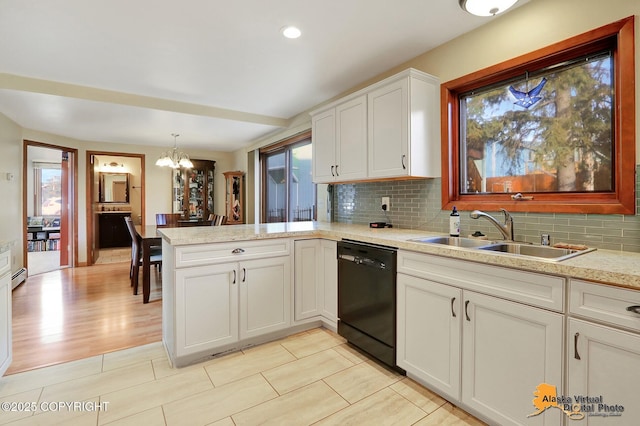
136	255
167	220
217	219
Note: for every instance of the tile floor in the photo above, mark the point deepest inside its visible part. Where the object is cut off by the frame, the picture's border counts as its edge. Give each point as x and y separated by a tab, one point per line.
114	255
312	377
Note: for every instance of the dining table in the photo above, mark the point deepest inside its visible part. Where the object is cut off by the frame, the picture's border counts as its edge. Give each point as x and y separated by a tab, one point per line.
149	237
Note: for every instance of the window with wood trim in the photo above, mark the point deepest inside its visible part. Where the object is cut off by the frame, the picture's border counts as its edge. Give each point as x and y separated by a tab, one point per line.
288	193
550	131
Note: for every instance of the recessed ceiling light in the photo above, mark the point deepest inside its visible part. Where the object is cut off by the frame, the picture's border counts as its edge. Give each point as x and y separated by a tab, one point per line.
291	32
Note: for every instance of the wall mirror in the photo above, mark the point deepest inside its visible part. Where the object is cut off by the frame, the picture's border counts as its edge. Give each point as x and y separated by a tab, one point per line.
114	187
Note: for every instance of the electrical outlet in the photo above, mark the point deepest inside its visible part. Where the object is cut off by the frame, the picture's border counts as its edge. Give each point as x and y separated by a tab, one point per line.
386	204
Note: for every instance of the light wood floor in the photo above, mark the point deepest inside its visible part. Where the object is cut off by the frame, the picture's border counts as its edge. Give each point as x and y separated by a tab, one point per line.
76	313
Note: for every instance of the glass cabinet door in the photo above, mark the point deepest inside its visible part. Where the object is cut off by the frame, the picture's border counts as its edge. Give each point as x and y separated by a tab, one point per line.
209	190
196	193
193	190
178	192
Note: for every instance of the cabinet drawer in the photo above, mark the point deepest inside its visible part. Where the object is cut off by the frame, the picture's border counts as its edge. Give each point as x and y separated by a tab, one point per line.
545	291
208	254
604	303
5	262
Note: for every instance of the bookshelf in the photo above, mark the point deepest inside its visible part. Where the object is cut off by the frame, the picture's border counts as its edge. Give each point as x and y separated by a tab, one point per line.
43	234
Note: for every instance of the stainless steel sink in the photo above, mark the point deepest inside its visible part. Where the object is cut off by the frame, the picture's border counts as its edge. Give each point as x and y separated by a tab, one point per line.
547	253
453	241
541	252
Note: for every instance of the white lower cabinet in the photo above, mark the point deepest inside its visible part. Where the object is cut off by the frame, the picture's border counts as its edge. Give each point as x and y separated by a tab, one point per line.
329	278
210	302
508	350
316	280
485	353
221	304
428	323
265	294
5	311
604	360
206	300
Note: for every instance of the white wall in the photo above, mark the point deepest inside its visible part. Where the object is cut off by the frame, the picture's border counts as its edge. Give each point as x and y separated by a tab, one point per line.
11	190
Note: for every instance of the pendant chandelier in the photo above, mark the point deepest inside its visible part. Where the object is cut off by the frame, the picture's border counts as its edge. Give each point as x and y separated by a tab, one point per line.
174	158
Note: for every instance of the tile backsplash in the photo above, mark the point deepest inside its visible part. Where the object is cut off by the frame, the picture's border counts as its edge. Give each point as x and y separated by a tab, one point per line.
416	204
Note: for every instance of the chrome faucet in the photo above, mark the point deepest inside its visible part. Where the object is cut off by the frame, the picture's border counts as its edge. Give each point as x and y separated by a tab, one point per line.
506	230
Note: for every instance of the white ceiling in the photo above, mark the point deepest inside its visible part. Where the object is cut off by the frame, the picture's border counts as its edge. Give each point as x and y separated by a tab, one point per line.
216	71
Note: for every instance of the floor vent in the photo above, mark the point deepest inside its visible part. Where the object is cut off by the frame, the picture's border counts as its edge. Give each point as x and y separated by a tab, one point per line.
18	277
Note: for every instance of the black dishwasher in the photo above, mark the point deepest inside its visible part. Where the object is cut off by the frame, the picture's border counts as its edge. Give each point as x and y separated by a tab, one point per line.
367	298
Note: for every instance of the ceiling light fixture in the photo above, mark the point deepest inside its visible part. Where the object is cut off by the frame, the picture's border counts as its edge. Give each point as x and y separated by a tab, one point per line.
174	158
486	7
291	32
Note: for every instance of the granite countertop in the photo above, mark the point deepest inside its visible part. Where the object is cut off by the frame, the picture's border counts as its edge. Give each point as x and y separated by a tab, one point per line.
610	267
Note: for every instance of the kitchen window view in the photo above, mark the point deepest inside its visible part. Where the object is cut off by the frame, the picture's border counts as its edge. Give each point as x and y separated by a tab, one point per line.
289	193
547	132
552	129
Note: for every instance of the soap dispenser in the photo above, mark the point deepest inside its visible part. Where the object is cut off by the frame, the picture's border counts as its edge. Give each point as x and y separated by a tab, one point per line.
454	223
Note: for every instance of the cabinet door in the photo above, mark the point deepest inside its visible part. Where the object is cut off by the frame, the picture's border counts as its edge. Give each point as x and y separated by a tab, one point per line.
5	311
307	284
428	330
388	130
508	350
604	361
328	269
206	307
351	140
324	146
265	295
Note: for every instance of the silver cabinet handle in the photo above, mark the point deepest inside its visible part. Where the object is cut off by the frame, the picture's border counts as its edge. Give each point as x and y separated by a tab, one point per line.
576	355
337	174
635	309
234	277
403	157
332	171
466	310
453	313
237	251
244	275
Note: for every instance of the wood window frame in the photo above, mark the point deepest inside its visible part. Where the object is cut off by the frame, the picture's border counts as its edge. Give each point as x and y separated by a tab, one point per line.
620	36
275	148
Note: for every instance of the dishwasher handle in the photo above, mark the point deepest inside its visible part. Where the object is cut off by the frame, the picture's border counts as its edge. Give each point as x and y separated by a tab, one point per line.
365	261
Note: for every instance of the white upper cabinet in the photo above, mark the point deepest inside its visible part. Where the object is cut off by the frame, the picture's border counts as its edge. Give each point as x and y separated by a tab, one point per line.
351	139
323	137
390	129
340	142
404	128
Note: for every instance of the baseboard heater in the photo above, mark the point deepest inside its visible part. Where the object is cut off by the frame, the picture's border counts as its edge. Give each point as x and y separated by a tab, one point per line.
18	277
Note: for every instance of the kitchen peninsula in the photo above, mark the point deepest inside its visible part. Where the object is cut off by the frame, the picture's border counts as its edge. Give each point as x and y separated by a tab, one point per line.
229	287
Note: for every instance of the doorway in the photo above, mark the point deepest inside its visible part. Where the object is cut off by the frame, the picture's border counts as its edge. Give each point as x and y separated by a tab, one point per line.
49	206
115	187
